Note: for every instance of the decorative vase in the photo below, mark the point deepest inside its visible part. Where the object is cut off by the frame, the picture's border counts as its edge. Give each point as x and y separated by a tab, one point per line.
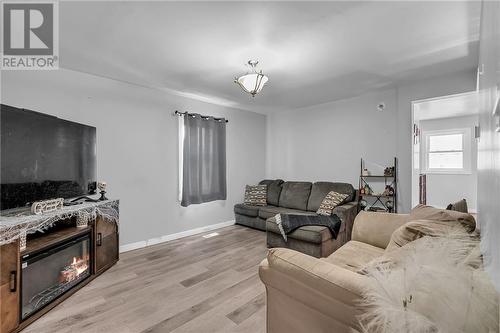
102	187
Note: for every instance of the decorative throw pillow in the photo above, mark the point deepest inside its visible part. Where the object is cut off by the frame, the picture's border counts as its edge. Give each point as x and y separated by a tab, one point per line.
459	206
332	200
413	230
402	236
438	229
256	195
422	212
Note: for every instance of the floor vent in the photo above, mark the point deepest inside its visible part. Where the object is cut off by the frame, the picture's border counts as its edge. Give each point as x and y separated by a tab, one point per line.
213	234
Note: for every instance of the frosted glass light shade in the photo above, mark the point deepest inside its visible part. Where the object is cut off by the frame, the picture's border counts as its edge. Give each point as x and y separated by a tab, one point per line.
252	83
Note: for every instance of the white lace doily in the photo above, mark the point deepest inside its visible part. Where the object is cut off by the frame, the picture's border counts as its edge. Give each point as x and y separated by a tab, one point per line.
24	222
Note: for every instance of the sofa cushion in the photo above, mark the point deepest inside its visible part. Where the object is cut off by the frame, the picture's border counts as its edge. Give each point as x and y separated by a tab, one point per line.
423	212
319	191
247	210
311	233
295	195
391	259
354	255
273	190
469	253
376	228
270	211
249	221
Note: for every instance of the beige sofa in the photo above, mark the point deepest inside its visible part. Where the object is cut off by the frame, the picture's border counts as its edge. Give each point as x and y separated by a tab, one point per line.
306	294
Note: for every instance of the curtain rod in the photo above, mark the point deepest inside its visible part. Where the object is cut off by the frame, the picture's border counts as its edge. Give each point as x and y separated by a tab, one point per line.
177	113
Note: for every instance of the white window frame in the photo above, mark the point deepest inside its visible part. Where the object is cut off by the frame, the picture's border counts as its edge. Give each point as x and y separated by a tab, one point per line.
466	149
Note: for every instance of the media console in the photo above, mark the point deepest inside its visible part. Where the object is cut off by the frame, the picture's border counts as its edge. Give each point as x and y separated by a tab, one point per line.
45	258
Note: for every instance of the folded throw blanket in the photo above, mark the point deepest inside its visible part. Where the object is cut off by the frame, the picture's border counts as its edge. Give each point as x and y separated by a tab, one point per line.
288	223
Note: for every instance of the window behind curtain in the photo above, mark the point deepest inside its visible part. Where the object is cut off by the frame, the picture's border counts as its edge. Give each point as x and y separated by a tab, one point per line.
202	159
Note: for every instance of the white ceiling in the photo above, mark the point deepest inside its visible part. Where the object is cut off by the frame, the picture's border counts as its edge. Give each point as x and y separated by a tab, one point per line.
313	52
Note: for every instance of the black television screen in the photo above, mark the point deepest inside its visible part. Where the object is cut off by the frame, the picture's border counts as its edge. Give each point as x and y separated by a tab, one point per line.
44	157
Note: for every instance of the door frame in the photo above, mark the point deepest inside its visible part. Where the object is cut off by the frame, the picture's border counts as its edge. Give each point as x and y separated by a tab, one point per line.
414	174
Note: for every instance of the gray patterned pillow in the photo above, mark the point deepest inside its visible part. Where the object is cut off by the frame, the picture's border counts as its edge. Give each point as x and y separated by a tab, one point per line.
332	200
256	195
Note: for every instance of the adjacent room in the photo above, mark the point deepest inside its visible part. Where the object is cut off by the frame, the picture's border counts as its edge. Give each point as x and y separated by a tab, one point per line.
249	166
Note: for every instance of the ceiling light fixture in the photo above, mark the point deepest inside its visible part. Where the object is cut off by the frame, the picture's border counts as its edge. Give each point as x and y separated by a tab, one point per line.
252	82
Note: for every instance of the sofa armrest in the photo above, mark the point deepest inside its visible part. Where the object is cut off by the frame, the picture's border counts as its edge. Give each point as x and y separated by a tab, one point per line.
346	209
303	271
376	228
347	213
317	285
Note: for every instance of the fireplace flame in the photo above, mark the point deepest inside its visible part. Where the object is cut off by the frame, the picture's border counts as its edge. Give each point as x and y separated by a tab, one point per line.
80	264
71	272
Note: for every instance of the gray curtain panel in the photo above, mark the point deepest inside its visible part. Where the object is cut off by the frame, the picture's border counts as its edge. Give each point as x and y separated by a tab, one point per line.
203	177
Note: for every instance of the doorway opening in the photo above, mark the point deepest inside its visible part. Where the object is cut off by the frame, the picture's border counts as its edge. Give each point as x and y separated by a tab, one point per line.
444	150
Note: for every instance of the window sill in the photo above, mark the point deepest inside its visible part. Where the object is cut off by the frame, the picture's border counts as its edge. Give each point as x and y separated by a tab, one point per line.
448	172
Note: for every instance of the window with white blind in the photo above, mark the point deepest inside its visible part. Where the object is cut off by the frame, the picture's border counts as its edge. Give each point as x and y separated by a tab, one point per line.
447	151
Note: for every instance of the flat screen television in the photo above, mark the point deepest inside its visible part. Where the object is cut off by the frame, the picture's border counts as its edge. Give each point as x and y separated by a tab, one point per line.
44	157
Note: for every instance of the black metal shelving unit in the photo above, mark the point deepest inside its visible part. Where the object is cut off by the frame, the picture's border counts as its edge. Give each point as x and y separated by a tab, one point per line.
379	200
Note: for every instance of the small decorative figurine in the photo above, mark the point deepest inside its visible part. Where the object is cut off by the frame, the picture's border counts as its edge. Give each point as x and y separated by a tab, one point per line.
363	204
368	190
102	188
365	173
390	205
389	171
389	190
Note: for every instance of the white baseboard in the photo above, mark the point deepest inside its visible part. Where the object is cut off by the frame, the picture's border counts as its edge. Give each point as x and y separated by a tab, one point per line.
166	238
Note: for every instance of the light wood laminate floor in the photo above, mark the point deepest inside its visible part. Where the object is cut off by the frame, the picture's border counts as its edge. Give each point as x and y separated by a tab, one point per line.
193	284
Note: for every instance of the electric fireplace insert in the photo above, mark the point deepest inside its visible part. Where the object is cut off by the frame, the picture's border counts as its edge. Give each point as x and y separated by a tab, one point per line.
50	272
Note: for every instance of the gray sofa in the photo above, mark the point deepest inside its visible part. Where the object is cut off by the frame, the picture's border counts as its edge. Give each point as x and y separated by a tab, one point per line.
300	198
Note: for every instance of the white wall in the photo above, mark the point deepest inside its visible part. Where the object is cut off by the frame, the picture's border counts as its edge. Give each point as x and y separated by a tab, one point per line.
443	189
326	142
454	83
489	143
137	145
137	142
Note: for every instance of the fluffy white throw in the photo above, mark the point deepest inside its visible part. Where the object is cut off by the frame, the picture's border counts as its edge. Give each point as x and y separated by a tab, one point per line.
432	286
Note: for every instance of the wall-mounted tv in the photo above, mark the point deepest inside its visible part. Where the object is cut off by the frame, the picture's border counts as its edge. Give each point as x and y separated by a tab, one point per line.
44	157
